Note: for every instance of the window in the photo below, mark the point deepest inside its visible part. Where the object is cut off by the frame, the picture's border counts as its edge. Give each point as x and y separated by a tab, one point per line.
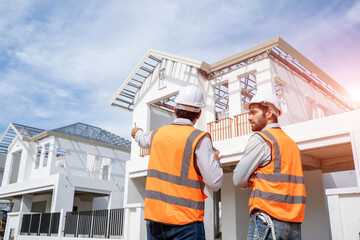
46	154
311	114
162	73
105	168
279	91
279	85
222	100
60	158
162	112
321	111
38	156
162	78
90	163
248	87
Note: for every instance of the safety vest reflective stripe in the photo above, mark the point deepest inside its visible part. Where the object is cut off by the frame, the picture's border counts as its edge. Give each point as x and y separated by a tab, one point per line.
188	152
277	155
174	200
281	178
278	197
175	179
153	134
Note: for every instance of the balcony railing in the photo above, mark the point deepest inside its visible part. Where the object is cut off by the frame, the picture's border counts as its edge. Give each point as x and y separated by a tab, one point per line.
220	129
242	125
144	152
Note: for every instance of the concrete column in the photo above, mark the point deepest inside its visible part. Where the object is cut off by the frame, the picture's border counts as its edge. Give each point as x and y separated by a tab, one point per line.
355	143
228	211
242	212
316	223
209	214
337	230
63	195
134	223
115	200
26	203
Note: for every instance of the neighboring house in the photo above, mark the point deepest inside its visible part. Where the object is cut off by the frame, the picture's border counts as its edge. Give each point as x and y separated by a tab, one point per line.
2	165
48	174
317	115
4	204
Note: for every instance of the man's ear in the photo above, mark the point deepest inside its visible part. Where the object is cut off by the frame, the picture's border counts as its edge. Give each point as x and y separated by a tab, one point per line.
269	113
198	116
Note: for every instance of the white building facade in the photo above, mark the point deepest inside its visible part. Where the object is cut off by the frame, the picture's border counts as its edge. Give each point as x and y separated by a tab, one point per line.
75	168
317	114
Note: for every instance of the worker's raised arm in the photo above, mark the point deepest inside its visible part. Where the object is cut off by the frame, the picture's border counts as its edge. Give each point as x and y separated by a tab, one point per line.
142	138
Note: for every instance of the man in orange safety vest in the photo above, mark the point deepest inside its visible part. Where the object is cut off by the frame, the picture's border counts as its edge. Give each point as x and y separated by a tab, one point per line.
182	161
271	166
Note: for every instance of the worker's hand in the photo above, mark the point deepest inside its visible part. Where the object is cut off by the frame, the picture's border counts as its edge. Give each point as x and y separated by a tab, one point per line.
217	156
252	179
134	130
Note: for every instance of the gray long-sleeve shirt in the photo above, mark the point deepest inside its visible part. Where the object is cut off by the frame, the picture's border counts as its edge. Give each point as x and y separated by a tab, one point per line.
257	153
209	168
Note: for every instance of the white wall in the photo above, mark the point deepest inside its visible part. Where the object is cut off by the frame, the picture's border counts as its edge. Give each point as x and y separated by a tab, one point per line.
76	157
344	212
295	91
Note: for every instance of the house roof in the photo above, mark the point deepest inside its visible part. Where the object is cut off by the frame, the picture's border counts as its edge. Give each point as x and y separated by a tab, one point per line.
275	48
125	95
22	131
77	130
93	133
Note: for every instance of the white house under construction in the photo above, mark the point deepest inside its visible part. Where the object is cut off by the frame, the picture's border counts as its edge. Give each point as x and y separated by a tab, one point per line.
67	182
318	115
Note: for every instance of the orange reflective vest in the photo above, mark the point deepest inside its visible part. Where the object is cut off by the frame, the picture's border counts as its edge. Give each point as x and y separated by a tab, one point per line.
174	190
279	188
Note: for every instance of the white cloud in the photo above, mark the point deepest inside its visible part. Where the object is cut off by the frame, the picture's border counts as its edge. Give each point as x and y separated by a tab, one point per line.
354	13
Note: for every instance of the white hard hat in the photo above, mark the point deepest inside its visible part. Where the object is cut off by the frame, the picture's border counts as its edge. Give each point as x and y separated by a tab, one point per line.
190	98
267	99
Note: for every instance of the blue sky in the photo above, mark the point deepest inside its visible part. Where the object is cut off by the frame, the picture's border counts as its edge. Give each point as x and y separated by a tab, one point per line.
61	61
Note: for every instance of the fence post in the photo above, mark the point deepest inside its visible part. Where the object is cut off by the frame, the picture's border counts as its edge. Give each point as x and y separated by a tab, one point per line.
61	223
77	226
91	224
107	235
38	231
28	231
